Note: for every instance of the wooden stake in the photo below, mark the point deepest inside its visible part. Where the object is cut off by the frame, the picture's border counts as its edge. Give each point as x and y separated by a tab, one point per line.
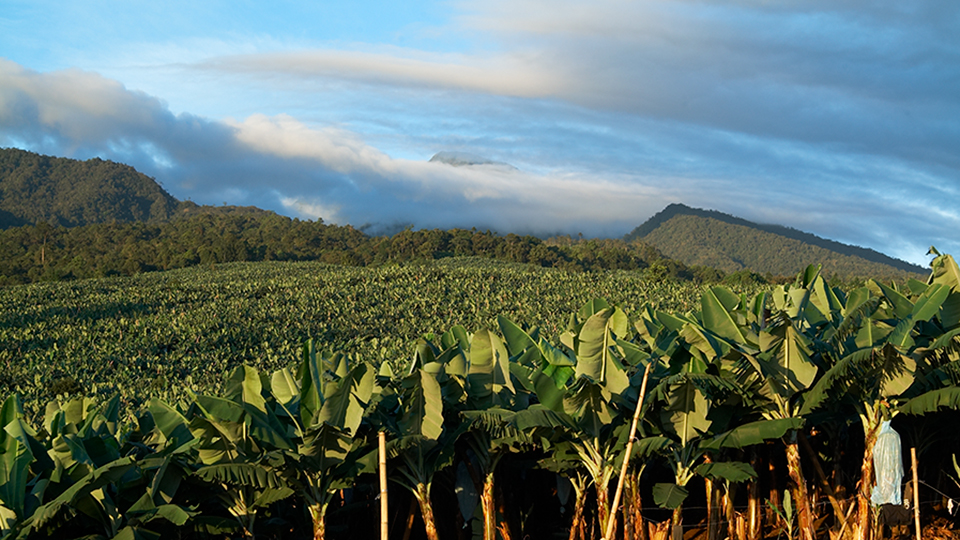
384	515
916	491
612	518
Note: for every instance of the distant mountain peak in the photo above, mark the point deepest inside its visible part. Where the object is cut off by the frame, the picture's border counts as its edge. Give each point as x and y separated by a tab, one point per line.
707	237
465	159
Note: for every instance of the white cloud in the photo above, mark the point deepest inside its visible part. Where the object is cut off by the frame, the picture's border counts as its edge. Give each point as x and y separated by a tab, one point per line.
280	162
875	79
283	136
311	209
503	74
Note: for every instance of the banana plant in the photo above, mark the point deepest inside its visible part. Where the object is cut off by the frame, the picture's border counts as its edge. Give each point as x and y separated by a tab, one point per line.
542	370
704	351
881	350
782	369
487	417
240	446
82	442
23	464
325	411
491	435
689	436
593	401
413	418
78	470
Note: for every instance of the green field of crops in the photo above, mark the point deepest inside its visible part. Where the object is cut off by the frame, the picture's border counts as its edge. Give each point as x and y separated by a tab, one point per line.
163	332
246	400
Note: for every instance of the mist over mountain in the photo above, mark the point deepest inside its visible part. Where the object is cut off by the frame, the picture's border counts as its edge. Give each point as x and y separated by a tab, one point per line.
465	159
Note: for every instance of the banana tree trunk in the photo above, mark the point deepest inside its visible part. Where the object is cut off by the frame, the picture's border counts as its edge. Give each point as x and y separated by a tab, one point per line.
629	532
504	525
755	521
822	477
774	495
734	521
713	519
634	527
676	523
603	503
578	525
864	517
805	518
489	512
660	531
426	510
318	514
411	516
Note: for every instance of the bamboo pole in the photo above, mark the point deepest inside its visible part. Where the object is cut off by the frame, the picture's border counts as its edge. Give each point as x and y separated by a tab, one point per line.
612	518
384	515
916	491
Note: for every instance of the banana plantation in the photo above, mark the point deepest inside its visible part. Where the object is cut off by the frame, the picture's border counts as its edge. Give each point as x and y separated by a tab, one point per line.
756	418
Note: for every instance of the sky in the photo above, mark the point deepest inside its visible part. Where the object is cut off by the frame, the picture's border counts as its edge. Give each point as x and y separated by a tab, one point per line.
838	118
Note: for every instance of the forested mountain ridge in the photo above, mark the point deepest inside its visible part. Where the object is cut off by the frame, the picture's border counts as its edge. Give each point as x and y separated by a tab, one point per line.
67	219
707	237
67	192
63	192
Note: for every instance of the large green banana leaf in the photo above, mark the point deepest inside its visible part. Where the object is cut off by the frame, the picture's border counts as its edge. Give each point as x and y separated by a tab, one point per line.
945	272
716	305
685	413
422	407
731	471
753	433
595	359
345	407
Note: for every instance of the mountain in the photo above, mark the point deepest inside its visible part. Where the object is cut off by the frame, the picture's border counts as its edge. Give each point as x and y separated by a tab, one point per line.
710	238
71	193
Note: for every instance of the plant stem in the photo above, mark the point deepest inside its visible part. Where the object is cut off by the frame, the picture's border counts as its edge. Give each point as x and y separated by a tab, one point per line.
805	516
426	510
871	425
318	513
489	512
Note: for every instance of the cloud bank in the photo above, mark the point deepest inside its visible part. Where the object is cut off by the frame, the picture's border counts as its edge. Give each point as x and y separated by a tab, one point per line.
280	163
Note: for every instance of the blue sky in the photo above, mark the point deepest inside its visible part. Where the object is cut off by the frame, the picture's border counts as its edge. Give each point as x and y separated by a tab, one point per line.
835	117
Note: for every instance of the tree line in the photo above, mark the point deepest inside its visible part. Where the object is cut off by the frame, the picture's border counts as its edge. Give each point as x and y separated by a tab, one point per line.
49	253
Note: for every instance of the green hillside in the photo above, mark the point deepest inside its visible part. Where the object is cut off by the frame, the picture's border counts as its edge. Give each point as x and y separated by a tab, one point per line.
710	238
69	193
